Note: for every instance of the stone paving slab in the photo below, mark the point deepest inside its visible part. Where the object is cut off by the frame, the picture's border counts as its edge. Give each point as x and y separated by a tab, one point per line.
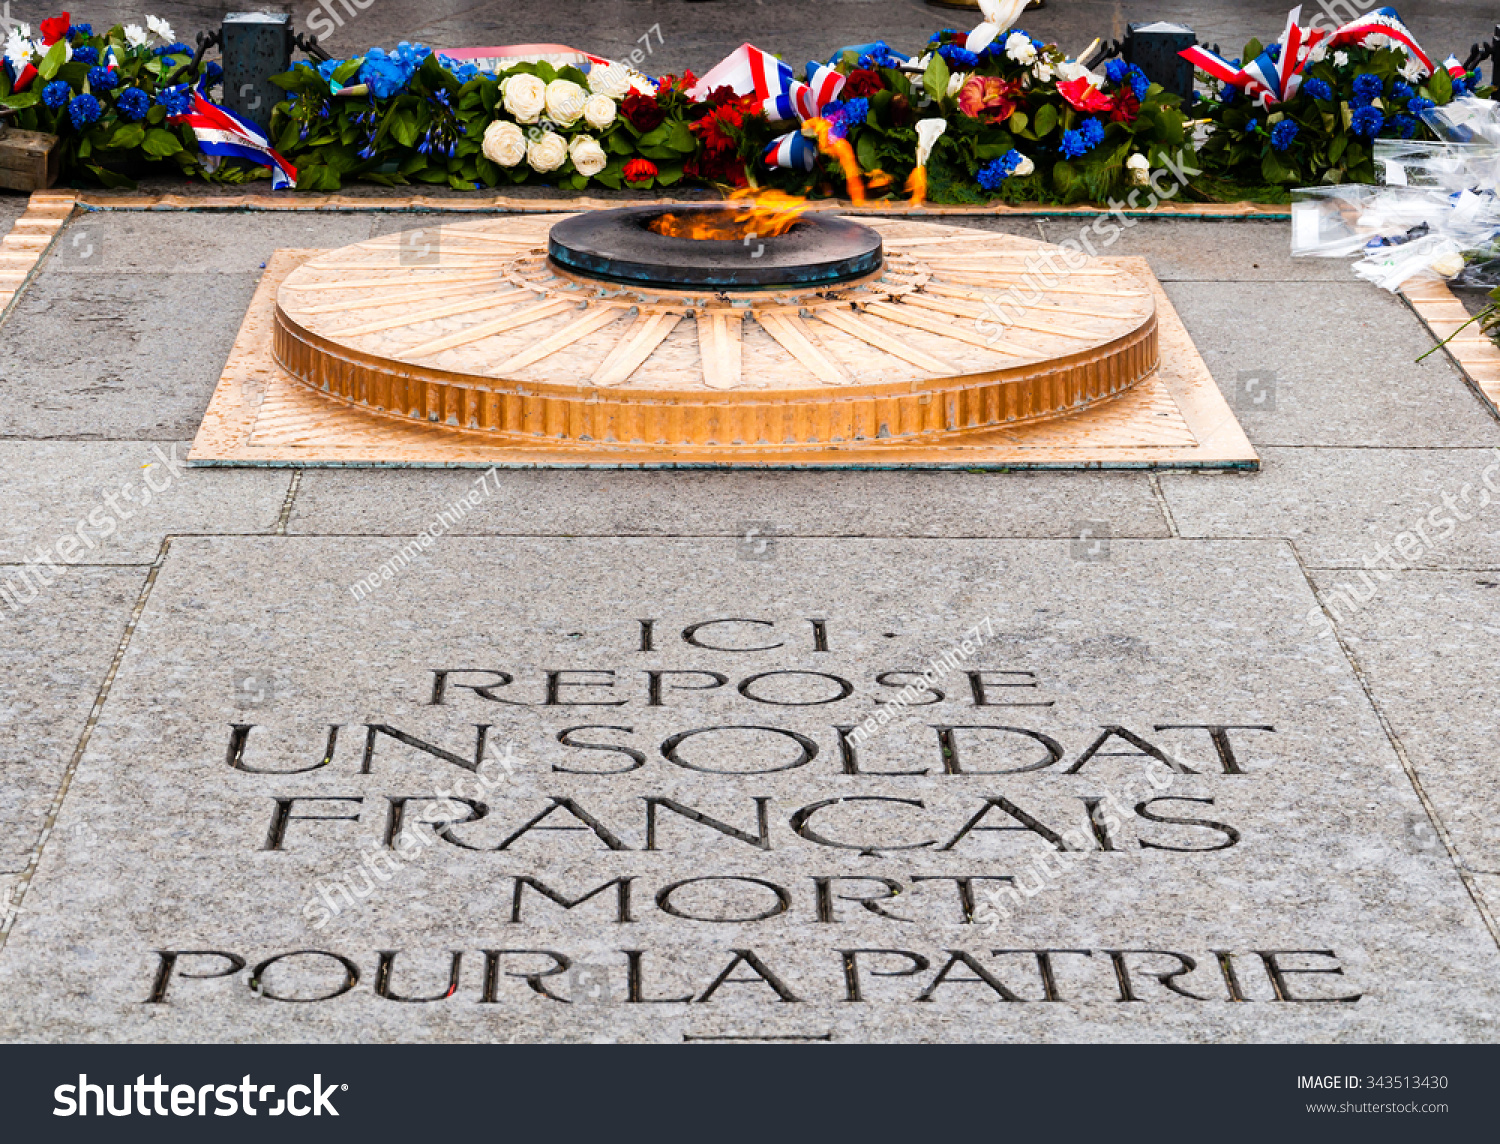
1427	644
55	648
563	503
192	242
1187	250
118	500
1330	364
1340	506
1282	840
128	356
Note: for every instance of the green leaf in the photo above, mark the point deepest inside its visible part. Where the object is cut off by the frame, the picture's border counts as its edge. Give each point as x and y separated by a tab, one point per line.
935	78
25	99
668	173
159	144
1336	149
656	136
126	136
404	129
866	151
1017	122
57	55
681	138
1441	86
1046	120
316	177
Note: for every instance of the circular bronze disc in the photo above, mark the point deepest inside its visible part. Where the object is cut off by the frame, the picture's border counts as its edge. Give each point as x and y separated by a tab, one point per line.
469	325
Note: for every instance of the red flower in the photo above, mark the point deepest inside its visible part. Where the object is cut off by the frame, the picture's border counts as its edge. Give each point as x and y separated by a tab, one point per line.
1084	96
862	83
720	96
643	112
1127	107
988	97
639	170
55	28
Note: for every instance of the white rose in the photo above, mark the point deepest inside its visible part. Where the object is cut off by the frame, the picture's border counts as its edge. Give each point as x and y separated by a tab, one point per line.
599	111
524	97
1340	59
547	153
1318	54
565	100
504	143
1018	46
1024	167
135	36
161	28
613	81
588	157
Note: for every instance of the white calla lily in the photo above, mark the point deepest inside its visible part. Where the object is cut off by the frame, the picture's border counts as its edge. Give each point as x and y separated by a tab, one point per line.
929	131
999	15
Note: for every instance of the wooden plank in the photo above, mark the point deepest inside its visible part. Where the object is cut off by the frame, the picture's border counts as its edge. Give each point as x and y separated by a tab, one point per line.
374	283
974	279
595	318
400	298
794	337
922	321
432	313
955	292
488	329
640	342
850	323
720	342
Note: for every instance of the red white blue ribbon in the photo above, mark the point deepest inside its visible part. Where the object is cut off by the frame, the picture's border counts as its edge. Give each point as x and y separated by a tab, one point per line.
1269	80
222	133
749	71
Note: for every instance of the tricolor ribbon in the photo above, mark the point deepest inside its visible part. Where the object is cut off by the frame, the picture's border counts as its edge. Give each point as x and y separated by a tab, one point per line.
222	133
749	71
1269	79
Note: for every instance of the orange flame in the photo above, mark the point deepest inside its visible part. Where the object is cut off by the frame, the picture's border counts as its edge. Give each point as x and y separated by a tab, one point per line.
830	144
769	213
916	186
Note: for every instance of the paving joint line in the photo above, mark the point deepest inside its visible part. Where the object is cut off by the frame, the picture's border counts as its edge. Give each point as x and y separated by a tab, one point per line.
1464	873
13	907
286	505
1161	503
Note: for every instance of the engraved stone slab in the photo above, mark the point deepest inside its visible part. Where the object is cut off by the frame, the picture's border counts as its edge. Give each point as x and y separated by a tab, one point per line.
681	815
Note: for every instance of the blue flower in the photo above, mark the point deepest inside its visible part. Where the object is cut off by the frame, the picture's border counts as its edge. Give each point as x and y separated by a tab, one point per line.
102	79
857	110
133	103
386	75
992	174
1367	122
214	73
938	37
1116	70
1073	144
1251	126
958	56
177	49
85	55
1476	77
1229	94
1139	84
1284	134
80	30
177	100
1318	89
1274	51
1092	131
1401	90
83	110
56	93
1368	87
1404	124
1419	105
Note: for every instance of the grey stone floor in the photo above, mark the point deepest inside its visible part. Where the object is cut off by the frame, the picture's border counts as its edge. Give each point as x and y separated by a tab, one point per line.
1366	823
